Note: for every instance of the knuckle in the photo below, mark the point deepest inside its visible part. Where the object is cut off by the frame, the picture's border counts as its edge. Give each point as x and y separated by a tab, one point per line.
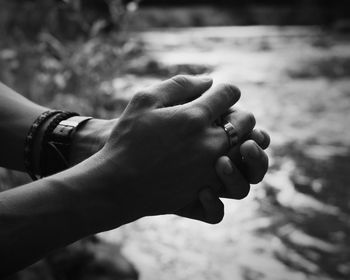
195	117
205	111
144	98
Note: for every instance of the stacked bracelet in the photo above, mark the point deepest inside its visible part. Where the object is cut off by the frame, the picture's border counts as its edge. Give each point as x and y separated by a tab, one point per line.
47	160
55	142
29	141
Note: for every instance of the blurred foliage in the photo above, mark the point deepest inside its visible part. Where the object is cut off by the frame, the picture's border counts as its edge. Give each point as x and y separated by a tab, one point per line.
68	19
66	75
58	53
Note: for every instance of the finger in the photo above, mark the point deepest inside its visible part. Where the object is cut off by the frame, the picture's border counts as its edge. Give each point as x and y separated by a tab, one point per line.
250	160
243	123
261	137
177	90
255	162
213	208
216	101
235	185
207	208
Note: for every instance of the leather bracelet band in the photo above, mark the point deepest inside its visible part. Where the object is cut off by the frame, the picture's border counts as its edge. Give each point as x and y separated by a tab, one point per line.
64	130
59	143
45	159
30	139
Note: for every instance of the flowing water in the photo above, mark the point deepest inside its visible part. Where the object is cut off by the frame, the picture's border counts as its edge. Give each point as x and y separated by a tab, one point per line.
296	224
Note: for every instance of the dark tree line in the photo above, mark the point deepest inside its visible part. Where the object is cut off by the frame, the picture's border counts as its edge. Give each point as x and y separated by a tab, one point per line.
322	3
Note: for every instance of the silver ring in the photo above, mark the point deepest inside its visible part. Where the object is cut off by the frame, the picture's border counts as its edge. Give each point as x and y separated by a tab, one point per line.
231	133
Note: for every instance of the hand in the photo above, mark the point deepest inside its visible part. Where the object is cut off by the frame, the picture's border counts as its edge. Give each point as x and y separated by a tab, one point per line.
92	137
248	164
162	150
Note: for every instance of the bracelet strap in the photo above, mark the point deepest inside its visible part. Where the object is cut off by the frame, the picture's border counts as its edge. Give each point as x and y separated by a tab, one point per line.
65	129
58	144
29	141
49	162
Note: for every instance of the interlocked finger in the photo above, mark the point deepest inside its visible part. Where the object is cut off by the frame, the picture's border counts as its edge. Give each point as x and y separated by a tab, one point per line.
261	137
235	185
255	161
238	126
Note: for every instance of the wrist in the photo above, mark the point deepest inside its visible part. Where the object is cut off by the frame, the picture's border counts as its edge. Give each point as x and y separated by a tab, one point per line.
47	144
97	197
88	139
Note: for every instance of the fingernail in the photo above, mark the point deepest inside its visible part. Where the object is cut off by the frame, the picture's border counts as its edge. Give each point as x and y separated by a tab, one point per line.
228	168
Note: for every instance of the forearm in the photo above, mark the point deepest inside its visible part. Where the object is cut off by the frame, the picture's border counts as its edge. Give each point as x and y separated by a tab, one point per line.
17	114
44	215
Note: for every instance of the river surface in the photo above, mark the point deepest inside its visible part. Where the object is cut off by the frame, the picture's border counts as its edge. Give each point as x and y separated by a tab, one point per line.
294	225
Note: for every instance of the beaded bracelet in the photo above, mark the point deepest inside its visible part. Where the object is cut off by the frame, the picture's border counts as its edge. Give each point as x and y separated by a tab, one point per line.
29	141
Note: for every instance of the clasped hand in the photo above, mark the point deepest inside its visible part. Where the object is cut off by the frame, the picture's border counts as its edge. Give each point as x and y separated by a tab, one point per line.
166	154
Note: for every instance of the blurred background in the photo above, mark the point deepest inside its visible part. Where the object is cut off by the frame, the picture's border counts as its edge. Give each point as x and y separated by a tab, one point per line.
291	60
